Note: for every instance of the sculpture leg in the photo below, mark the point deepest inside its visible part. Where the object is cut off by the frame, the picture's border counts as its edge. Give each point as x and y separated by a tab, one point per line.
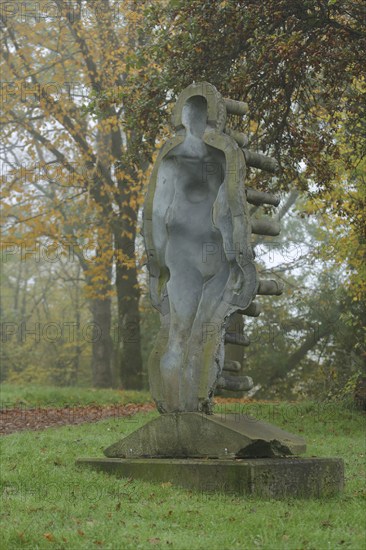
205	345
185	288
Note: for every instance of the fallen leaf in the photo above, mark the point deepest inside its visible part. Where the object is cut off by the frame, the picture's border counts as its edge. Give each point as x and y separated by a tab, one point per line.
153	540
48	536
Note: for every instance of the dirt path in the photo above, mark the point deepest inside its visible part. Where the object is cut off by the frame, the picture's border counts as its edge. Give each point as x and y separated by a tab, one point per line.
25	417
38	418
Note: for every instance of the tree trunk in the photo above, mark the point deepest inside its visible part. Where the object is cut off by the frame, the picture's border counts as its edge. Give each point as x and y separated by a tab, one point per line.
77	350
128	296
99	333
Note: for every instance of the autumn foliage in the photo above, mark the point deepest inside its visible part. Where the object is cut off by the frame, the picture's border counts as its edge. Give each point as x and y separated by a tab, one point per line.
87	92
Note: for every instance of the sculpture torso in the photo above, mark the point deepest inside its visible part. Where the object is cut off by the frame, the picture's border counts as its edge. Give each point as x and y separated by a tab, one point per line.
188	219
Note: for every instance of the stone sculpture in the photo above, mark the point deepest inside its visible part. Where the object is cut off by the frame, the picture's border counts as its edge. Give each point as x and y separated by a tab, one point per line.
198	226
197	231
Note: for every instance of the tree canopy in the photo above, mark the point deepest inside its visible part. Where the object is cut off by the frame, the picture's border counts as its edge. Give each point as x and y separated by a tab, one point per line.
87	94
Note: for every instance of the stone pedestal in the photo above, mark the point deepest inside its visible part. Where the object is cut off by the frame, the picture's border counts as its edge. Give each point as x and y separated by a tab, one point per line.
273	478
196	435
233	454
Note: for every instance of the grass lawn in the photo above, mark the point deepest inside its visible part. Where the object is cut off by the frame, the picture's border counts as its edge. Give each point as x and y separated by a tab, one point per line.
47	502
50	396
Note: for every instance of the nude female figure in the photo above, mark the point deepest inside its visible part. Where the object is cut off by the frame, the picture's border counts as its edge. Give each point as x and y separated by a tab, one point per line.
193	246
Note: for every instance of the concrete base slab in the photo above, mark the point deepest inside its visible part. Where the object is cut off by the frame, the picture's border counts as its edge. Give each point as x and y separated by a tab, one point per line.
196	435
275	478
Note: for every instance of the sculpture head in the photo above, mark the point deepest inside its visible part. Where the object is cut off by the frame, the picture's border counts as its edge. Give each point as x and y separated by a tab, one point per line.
194	115
198	98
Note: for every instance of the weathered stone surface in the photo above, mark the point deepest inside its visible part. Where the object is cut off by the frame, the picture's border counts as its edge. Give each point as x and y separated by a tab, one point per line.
265	227
265	478
257	160
198	435
258	198
270	288
197	231
231	366
235	383
236	107
236	339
